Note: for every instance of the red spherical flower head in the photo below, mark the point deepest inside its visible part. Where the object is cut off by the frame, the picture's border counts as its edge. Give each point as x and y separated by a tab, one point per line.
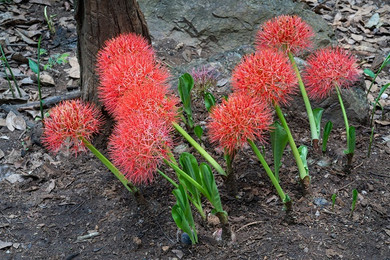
122	45
287	33
130	73
328	68
138	145
267	74
69	121
238	119
148	100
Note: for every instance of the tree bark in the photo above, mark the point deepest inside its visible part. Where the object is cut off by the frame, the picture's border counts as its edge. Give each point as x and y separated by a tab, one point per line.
98	21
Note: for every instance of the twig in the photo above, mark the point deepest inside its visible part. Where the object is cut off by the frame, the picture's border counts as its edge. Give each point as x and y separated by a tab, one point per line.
250	224
47	102
381	175
346	185
357	166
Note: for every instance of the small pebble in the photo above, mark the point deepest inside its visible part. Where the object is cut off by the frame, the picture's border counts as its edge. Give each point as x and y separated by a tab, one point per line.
306	250
185	239
384	96
321	202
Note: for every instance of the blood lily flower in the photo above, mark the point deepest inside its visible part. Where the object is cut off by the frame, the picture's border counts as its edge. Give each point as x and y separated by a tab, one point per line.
332	69
138	146
327	69
285	32
127	44
266	74
238	119
128	74
68	122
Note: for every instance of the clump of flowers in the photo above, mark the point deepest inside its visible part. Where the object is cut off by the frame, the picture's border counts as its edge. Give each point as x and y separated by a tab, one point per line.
291	35
332	69
285	32
240	120
69	123
266	74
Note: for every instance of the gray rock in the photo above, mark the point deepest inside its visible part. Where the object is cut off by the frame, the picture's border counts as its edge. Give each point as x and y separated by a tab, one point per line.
13	178
223	26
355	103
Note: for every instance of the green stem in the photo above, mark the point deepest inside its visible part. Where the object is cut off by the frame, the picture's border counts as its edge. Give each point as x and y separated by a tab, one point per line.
129	186
269	172
313	127
343	110
302	171
187	177
10	71
39	79
199	148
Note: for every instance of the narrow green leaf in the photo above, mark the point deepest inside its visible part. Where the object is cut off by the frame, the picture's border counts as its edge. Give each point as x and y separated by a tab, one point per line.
303	154
326	134
317	113
383	89
33	66
279	140
209	100
182	215
334	196
190	166
186	83
352	140
211	187
369	73
354	199
198	130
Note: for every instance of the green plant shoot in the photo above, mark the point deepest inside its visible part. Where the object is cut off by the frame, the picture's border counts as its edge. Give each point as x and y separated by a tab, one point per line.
182	215
354	199
325	135
198	130
186	83
375	75
209	100
279	140
334	196
376	103
317	113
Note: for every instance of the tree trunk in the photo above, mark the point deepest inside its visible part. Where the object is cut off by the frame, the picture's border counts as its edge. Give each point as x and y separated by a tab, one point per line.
98	21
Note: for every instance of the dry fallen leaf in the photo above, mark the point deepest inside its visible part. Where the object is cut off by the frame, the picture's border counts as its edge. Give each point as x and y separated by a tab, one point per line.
382	122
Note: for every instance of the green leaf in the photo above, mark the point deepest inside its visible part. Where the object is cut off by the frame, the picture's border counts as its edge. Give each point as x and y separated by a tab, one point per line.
369	73
325	136
383	89
303	154
279	140
33	66
198	130
62	59
209	100
42	51
354	199
334	196
186	83
190	166
208	183
317	113
182	215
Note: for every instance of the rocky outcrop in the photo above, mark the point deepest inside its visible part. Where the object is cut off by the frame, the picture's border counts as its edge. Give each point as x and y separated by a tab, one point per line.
222	25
